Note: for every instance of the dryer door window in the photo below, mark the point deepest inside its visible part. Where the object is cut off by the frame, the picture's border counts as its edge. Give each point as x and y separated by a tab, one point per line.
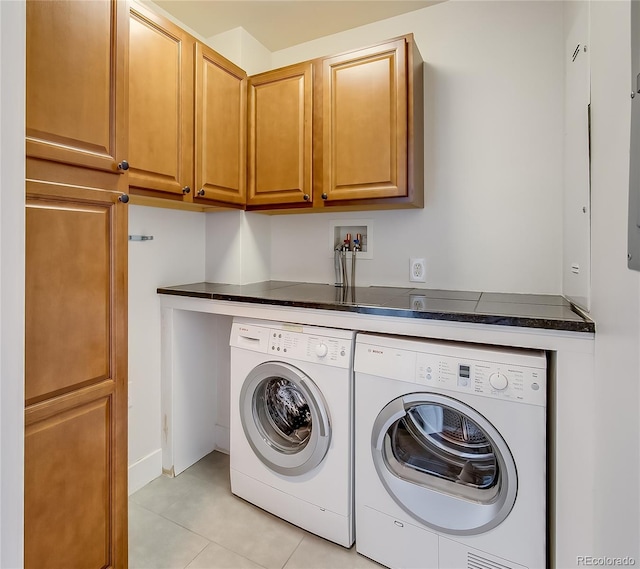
444	463
285	418
435	444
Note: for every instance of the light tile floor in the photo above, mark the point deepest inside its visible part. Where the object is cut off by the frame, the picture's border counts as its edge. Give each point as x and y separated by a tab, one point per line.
193	521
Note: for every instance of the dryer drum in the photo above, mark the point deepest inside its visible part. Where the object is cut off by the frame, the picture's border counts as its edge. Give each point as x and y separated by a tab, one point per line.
444	443
287	410
450	430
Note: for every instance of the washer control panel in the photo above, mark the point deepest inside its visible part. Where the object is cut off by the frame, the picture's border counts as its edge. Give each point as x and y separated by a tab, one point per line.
287	341
310	347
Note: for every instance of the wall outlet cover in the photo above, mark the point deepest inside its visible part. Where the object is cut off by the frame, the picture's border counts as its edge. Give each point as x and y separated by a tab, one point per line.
417	270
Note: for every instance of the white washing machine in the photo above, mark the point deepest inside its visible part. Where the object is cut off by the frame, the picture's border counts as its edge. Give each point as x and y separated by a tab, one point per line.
450	454
291	422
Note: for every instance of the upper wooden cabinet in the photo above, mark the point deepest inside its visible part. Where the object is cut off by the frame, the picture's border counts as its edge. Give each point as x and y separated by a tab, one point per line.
160	105
351	124
280	137
370	113
76	82
187	116
220	129
344	131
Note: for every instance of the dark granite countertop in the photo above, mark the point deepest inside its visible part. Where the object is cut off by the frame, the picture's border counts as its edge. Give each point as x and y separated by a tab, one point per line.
550	312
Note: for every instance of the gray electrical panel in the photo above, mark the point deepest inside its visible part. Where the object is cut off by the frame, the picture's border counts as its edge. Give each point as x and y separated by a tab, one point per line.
633	253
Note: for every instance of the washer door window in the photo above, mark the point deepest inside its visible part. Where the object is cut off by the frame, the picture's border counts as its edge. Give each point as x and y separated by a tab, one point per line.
444	463
285	418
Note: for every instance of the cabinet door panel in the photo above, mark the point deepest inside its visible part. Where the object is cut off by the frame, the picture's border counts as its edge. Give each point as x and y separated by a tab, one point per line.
75	75
75	377
365	123
68	245
221	127
280	137
361	118
68	488
160	110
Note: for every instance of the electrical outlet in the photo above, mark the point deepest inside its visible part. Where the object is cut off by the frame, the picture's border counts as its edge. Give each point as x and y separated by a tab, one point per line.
417	271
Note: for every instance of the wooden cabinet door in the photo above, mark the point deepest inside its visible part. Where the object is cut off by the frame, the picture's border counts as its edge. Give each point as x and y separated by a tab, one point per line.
75	378
365	124
221	129
160	105
280	137
76	82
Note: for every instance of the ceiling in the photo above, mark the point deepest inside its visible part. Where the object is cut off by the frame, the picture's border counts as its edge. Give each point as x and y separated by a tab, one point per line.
281	24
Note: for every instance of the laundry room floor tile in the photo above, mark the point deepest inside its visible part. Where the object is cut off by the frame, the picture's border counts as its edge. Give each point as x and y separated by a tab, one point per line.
327	555
155	542
193	521
217	557
238	526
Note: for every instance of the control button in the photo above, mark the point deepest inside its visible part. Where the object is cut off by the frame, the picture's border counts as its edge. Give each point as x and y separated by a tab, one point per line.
428	376
321	350
342	353
535	386
463	382
428	370
498	381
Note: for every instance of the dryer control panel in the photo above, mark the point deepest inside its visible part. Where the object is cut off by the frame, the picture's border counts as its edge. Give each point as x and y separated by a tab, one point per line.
502	373
492	379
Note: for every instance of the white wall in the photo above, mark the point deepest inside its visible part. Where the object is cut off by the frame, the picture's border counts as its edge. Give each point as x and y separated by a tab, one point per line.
12	89
576	222
243	49
615	289
175	255
238	247
493	155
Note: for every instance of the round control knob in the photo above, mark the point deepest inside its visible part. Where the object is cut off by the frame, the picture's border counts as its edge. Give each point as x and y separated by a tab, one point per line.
498	381
321	350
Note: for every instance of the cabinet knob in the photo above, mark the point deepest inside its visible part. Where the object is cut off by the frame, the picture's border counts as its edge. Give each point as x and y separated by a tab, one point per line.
124	198
324	196
186	190
201	192
124	165
306	197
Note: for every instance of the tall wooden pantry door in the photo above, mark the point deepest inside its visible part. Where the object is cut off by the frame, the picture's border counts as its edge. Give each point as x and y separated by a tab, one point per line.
75	370
75	487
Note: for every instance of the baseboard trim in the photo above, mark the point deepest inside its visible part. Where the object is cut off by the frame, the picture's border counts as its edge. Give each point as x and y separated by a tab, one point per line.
145	470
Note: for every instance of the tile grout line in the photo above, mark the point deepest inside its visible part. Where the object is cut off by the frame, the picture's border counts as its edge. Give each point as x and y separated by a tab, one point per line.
293	552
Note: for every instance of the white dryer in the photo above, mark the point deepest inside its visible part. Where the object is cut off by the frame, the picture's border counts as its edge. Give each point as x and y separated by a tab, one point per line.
291	421
450	456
